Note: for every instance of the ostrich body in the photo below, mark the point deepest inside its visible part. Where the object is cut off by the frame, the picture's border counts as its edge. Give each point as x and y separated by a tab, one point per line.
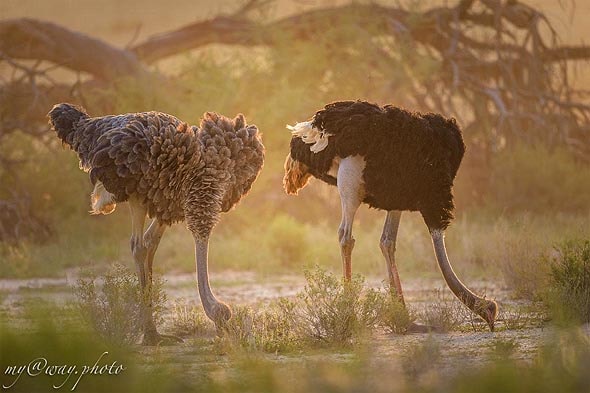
392	160
168	171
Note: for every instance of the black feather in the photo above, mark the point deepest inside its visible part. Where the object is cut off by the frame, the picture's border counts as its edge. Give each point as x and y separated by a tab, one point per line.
411	158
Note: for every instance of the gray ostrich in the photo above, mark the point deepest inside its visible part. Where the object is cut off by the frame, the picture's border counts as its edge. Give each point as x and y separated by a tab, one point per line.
392	160
168	171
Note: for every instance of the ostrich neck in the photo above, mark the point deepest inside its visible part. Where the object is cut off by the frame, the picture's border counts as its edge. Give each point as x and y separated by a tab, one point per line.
209	301
471	300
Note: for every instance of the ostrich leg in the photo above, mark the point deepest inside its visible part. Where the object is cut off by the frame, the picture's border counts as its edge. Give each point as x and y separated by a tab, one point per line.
151	240
349	183
139	251
388	241
487	309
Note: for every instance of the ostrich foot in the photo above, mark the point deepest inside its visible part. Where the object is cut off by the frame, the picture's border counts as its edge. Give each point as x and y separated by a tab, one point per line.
155	338
419	328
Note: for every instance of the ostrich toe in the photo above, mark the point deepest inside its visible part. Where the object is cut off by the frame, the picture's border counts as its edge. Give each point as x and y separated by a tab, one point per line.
157	339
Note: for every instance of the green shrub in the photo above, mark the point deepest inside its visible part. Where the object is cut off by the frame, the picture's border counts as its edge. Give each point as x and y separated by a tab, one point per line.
328	311
569	293
334	311
393	315
114	309
53	332
278	332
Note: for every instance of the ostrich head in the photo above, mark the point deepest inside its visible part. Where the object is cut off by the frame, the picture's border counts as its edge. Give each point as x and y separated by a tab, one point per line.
296	175
488	310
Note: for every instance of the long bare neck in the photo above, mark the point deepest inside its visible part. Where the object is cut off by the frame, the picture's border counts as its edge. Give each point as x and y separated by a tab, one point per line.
487	309
217	311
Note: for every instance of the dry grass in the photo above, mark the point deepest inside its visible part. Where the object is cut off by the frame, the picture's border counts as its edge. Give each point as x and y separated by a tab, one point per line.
188	319
272	330
445	314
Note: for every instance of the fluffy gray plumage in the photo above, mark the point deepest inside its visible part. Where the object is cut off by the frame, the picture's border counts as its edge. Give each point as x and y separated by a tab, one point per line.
178	171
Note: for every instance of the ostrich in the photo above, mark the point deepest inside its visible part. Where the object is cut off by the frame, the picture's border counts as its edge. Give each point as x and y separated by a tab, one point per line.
392	160
168	171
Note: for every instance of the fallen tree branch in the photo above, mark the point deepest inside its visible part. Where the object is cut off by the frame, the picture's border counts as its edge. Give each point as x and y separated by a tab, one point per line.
39	40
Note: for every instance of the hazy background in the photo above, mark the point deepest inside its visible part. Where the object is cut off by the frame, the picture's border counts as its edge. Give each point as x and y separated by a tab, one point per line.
511	206
520	235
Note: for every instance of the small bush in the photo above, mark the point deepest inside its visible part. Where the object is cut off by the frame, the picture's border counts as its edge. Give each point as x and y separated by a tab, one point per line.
239	330
329	311
334	311
114	309
187	319
513	319
569	293
394	316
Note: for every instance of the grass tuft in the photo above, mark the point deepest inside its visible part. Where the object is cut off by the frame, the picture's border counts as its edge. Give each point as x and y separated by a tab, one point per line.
272	330
188	319
445	314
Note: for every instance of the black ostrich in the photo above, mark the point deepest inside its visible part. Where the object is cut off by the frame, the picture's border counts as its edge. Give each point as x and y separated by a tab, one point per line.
390	159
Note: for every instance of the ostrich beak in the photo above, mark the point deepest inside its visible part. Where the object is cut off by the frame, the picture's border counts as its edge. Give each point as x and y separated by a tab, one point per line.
489	313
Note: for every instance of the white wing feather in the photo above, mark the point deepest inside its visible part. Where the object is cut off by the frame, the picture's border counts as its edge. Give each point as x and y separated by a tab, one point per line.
310	135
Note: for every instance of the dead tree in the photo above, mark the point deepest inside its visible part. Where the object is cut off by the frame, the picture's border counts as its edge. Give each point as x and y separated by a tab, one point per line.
502	60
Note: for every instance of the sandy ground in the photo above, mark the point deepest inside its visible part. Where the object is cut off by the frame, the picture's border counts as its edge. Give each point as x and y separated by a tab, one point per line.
424	359
456	348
